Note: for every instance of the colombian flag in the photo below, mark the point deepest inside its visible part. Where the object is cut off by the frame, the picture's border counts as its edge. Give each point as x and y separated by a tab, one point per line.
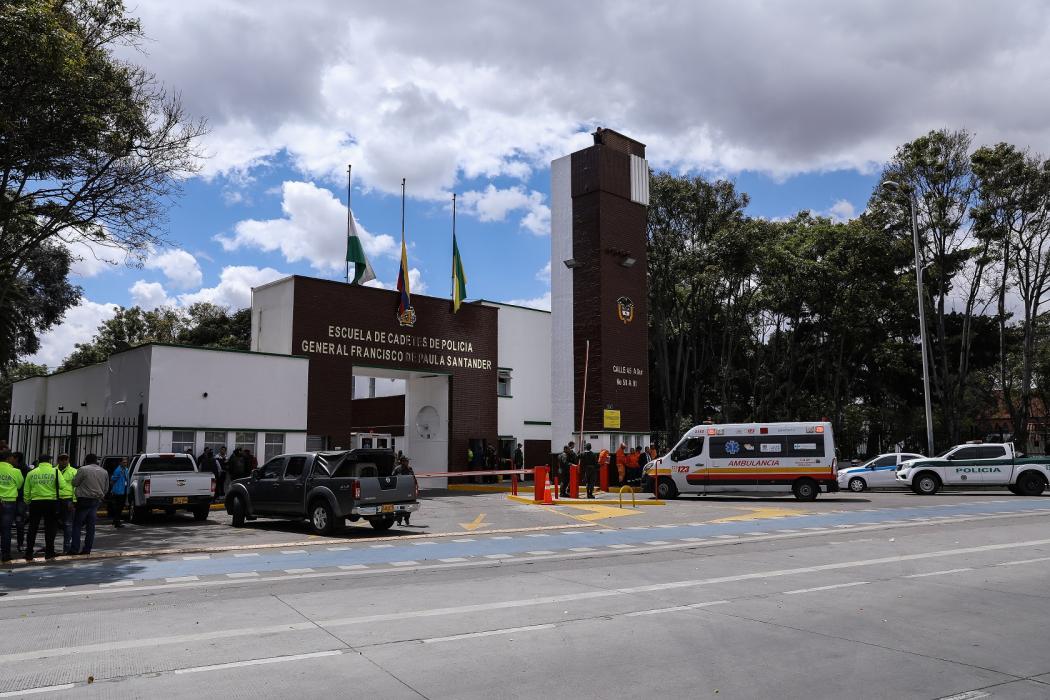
405	301
459	277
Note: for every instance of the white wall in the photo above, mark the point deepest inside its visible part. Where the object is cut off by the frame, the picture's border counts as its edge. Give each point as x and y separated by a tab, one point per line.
428	454
562	388
525	350
272	317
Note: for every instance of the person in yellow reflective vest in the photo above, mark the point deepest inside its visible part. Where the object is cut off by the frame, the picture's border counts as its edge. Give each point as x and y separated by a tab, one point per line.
10	485
66	500
41	496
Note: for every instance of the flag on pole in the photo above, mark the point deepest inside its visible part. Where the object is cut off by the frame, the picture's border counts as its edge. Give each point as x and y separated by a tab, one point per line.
355	255
459	277
406	315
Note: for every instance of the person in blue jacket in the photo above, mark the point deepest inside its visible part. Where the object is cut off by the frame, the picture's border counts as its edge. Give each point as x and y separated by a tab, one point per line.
118	490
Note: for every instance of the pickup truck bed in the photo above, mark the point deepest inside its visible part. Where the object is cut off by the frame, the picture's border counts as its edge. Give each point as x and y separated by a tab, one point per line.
328	488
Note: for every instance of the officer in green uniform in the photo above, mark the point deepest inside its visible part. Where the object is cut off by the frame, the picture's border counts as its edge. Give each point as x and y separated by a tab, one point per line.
10	485
41	496
66	500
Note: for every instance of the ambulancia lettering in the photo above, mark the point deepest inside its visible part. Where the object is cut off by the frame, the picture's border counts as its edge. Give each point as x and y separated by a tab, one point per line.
977	470
754	462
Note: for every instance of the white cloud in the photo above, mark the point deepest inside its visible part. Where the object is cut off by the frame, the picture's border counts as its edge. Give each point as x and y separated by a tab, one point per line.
541	302
842	210
544	273
78	326
437	96
313	228
416	284
91	258
234	289
149	295
180	267
494	204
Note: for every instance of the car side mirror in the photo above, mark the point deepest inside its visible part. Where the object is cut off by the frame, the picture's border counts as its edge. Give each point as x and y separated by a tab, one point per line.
871	468
255	474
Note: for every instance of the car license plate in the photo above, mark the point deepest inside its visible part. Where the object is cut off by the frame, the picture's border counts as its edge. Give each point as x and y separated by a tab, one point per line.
179	501
388	508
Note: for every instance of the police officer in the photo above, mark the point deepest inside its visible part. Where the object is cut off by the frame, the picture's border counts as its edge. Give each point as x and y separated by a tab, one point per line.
41	495
66	500
10	485
589	464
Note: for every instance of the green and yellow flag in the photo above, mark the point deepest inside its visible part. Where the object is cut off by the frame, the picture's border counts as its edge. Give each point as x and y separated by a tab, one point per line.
459	278
355	254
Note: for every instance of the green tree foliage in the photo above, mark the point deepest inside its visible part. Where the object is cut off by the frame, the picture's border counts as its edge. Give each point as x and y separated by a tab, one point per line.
201	325
91	147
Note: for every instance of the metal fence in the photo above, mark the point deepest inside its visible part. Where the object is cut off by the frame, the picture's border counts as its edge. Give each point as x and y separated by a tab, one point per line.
74	435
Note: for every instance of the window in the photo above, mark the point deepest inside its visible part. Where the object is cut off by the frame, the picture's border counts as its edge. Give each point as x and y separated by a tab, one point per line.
274	445
991	452
152	465
689	449
183	441
503	382
966	453
244	441
215	440
295	467
888	461
272	469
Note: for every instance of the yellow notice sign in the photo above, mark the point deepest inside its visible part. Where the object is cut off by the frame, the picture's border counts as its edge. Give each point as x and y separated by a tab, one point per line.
611	419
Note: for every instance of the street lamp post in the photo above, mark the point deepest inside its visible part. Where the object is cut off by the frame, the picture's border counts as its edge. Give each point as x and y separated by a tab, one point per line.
913	205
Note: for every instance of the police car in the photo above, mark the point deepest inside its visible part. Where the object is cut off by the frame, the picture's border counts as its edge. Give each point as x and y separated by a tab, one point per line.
878	473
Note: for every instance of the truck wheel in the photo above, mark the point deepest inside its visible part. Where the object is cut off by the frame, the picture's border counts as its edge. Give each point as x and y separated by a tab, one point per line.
322	519
857	485
382	524
926	484
200	513
136	514
666	488
1030	484
805	490
237	511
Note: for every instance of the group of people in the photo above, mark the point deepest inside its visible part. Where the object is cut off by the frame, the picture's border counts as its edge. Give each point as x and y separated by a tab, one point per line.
226	469
628	462
56	495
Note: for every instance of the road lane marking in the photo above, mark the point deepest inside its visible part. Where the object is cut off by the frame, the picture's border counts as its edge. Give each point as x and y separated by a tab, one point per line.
257	662
383	546
657	543
536	534
502	537
825	588
53	589
293	551
476	523
407	562
621	546
298	571
488	633
1023	561
677	608
939	573
968	695
114	584
452	560
245	554
243	574
353	567
582	549
195	557
468	539
182	579
499	556
36	691
540	552
338	549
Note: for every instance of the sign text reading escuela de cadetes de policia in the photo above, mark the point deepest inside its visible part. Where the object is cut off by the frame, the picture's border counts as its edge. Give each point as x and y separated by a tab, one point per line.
389	346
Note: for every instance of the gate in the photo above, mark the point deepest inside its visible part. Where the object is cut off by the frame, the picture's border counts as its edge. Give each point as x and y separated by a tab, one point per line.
73	434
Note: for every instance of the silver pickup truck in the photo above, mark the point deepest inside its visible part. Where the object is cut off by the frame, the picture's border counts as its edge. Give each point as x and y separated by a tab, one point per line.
328	488
168	482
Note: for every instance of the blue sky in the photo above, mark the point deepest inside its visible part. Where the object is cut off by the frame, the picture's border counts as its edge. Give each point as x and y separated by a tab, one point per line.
800	105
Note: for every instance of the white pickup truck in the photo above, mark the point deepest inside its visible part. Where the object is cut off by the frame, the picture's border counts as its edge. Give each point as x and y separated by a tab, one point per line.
168	482
977	465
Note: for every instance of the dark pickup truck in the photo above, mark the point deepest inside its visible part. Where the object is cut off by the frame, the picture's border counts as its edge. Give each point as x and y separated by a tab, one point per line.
327	488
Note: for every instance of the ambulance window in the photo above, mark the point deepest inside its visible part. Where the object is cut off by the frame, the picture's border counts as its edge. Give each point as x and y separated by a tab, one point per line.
689	449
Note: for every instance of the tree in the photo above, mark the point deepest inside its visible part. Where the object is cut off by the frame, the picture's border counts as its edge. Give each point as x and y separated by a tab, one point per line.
936	169
91	147
1014	208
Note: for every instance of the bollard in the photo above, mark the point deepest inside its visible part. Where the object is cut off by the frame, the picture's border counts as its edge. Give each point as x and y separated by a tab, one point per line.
603	478
574	481
539	476
514	484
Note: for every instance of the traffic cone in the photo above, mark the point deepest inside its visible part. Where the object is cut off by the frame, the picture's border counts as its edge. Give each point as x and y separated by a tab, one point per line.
547	501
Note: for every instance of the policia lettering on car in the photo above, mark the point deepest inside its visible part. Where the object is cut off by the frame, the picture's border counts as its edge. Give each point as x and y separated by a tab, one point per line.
978	470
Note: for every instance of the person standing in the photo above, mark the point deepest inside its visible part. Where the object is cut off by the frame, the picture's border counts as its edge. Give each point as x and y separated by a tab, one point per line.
220	484
41	494
403	469
250	463
235	465
18	460
566	458
604	457
589	464
517	460
90	485
10	485
621	463
118	492
66	500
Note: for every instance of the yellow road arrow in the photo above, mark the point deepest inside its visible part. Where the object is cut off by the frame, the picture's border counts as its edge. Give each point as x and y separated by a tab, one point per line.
475	524
598	512
760	513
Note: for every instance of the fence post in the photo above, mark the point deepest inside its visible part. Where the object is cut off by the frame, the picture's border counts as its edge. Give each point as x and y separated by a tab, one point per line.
74	457
140	437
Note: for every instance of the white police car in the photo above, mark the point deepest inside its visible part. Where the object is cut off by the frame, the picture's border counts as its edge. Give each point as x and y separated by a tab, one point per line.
880	472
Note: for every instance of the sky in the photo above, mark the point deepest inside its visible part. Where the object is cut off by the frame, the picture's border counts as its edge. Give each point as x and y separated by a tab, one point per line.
799	104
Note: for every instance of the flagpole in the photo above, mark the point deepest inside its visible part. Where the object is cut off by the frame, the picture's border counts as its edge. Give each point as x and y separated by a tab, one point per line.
402	211
453	249
348	215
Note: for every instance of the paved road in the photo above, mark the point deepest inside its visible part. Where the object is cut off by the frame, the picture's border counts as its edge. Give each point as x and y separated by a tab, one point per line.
930	599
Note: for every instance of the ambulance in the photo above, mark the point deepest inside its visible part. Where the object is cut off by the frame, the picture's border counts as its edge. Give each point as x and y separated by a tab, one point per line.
749	458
